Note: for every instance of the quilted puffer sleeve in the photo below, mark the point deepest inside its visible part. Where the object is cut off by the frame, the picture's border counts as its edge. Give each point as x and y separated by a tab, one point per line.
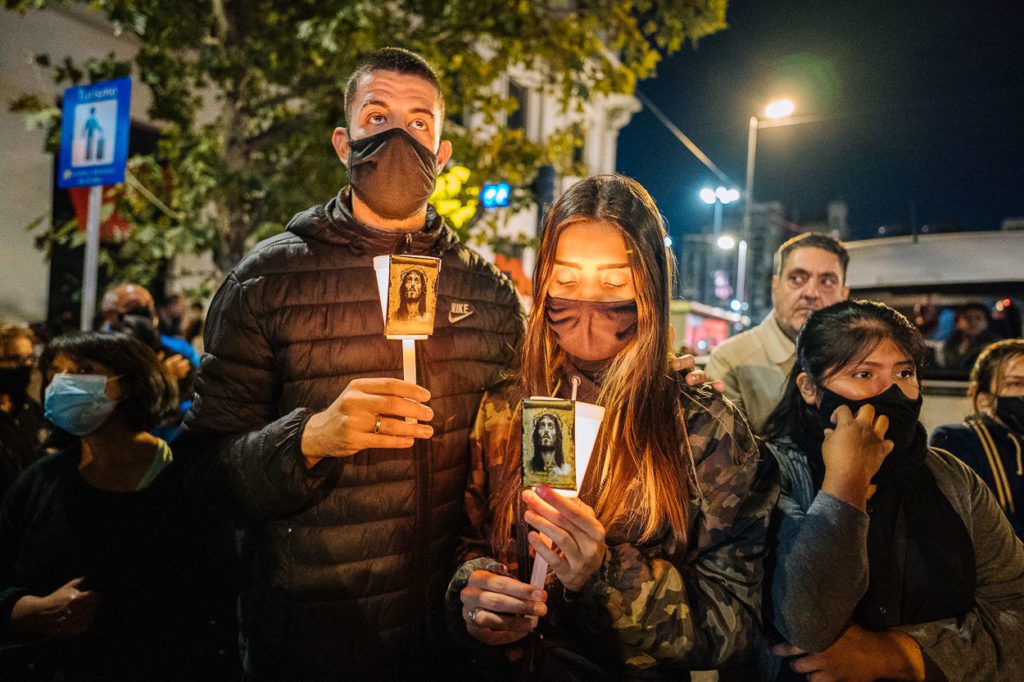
240	454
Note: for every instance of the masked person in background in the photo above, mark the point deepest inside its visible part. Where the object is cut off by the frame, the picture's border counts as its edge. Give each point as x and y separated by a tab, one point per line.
141	327
657	567
991	441
972	332
107	570
891	560
22	426
135	299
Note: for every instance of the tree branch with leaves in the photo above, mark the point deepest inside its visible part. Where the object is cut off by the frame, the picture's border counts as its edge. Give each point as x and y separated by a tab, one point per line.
246	92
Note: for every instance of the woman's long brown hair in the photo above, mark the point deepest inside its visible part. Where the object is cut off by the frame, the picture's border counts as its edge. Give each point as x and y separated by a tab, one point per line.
636	476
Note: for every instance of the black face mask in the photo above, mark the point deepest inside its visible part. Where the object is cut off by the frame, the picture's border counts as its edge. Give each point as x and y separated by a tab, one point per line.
903	413
1010	411
592	330
14	381
392	173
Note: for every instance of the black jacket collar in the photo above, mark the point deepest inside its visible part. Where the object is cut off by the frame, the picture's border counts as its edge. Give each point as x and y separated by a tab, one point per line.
334	223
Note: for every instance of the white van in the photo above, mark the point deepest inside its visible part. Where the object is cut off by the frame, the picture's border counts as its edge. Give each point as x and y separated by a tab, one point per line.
927	278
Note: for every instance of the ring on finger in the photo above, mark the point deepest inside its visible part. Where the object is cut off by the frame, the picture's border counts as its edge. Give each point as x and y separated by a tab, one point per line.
376	425
472	615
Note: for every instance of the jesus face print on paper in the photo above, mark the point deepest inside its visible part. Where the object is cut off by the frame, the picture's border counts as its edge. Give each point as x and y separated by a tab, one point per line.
412	295
548	444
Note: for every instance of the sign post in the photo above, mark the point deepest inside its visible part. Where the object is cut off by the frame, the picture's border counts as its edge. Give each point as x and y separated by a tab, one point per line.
93	152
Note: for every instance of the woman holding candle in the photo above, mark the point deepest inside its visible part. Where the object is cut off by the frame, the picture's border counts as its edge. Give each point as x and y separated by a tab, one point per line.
657	566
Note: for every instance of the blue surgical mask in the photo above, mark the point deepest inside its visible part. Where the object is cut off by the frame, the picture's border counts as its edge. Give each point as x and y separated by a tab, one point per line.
78	403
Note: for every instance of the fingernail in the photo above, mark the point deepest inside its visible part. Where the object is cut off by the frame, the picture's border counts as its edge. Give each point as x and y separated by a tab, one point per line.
544	490
538	595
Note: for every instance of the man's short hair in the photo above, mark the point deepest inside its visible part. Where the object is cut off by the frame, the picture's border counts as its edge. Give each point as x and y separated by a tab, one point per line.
395	59
811	240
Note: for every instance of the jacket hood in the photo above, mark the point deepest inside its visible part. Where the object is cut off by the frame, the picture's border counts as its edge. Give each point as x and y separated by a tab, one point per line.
334	223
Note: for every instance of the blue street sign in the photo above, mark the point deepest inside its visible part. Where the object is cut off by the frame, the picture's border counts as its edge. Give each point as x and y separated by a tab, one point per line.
94	134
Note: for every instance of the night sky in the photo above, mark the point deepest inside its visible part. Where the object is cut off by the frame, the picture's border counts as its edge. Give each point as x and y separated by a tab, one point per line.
922	101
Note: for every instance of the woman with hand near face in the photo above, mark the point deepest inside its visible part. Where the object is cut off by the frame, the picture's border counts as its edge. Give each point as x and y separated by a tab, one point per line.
891	560
991	441
106	570
656	568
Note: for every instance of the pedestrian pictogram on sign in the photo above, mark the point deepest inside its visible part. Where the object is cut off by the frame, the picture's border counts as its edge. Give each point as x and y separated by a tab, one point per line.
94	134
93	152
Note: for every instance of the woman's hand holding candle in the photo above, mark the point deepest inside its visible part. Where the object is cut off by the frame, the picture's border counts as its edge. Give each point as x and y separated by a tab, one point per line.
567	535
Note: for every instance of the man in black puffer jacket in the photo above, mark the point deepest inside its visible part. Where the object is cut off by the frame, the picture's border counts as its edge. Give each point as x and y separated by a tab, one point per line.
348	514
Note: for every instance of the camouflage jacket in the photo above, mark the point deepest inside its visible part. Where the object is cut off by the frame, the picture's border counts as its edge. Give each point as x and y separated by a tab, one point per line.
655	604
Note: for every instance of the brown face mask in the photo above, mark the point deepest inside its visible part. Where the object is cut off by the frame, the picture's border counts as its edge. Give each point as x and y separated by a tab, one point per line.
592	330
392	173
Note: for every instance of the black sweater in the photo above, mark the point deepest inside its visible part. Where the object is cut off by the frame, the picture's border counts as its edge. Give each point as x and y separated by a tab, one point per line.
165	573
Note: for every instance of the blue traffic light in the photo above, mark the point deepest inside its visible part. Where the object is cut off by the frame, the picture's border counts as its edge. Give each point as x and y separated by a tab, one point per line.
495	195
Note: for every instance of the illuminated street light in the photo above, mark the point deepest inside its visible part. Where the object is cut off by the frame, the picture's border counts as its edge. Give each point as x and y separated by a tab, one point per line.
719	197
726	243
780	108
777	109
726	196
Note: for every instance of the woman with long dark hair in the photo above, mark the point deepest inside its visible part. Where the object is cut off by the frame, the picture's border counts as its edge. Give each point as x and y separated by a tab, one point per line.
991	441
657	566
107	569
892	560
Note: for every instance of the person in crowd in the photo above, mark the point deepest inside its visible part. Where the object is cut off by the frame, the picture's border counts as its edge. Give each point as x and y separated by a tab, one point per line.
23	429
135	299
141	328
972	332
657	566
171	314
991	440
130	308
349	514
193	326
809	274
891	560
107	570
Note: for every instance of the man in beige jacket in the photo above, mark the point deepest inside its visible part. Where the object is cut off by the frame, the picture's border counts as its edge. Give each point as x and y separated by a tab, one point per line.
810	274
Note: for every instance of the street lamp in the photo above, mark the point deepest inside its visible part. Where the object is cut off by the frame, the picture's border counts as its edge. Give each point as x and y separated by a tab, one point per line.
726	242
719	197
775	110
